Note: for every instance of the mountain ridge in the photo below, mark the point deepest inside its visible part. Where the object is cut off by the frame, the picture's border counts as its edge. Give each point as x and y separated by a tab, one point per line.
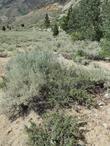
12	8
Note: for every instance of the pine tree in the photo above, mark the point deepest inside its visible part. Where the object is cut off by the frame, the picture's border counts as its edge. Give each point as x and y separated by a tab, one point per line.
65	20
91	11
86	19
47	21
106	18
4	28
22	25
74	23
55	30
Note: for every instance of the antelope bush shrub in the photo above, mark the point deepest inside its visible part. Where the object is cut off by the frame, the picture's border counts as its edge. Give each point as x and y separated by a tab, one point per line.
36	80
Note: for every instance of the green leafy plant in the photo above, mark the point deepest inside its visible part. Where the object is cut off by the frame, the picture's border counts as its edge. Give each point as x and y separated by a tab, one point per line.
56	130
76	36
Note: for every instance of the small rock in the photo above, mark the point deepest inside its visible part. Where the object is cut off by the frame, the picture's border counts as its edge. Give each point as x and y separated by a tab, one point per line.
9	131
105	125
107	96
101	103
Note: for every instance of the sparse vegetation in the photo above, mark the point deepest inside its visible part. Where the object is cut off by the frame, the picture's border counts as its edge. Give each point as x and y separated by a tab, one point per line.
57	129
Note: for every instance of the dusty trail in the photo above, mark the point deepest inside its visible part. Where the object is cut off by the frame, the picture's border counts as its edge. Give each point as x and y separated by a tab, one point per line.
104	65
99	127
13	133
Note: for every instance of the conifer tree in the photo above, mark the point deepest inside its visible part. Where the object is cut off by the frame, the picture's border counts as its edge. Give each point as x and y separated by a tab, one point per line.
65	20
55	30
91	14
86	19
106	18
47	21
4	28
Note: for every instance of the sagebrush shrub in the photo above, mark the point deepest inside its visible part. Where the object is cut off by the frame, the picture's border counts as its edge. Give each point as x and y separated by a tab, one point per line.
24	78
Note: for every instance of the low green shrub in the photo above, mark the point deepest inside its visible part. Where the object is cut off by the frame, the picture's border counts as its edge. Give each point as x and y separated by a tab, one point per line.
67	87
75	36
57	130
2	82
105	52
80	53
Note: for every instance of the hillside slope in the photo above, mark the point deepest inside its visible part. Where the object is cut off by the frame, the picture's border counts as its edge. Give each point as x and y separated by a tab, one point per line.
22	7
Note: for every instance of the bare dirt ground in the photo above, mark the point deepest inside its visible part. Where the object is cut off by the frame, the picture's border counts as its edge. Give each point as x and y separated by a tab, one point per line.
104	65
98	127
13	133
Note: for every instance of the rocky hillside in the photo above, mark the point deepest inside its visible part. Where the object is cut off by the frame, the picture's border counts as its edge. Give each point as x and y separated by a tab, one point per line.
22	7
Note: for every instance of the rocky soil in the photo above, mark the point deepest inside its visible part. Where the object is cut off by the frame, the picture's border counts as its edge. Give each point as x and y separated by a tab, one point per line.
98	127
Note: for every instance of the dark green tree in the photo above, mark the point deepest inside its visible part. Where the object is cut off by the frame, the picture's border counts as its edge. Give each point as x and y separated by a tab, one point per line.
74	23
47	21
4	28
86	19
22	25
105	43
55	30
106	18
65	19
91	11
